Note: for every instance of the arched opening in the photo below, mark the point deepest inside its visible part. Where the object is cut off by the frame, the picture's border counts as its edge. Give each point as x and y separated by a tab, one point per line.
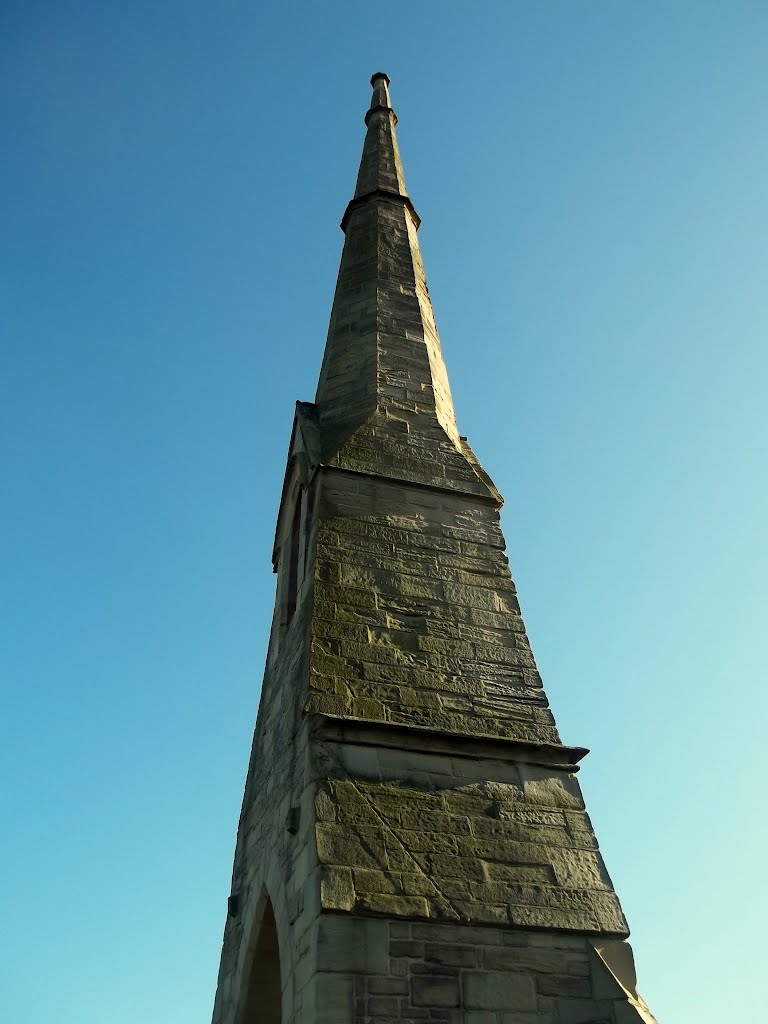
264	1001
292	588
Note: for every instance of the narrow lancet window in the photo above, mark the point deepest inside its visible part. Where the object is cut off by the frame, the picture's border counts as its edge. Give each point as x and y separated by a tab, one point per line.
264	1001
292	580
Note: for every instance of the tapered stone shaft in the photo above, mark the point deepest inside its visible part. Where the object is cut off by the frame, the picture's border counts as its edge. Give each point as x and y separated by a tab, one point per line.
413	844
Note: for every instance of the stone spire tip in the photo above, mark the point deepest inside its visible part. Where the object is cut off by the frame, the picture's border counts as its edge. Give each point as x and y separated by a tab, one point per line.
380	99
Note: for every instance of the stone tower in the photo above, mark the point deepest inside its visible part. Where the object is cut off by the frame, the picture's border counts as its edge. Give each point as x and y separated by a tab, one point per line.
413	844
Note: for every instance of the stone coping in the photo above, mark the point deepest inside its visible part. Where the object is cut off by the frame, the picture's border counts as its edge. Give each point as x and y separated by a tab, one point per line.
417	739
379	193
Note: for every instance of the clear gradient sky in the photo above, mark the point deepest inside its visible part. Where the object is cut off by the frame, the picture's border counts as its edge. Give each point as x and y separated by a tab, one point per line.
592	182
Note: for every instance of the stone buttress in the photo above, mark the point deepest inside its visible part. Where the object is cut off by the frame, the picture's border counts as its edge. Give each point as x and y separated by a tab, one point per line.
413	844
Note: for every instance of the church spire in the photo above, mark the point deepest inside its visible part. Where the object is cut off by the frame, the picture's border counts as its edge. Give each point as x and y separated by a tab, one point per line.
407	777
380	166
383	362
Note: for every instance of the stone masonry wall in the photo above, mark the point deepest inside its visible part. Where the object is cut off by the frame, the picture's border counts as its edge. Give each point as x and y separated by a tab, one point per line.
380	164
416	619
384	400
275	856
454	838
408	972
411	819
416	625
406	619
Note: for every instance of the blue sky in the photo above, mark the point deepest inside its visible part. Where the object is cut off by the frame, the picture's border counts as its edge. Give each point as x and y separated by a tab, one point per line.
591	179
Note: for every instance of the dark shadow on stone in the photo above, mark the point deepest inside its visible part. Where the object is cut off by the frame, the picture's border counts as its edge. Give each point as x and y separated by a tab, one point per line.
264	1003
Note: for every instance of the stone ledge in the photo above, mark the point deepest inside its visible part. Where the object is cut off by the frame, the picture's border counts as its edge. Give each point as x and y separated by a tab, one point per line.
377	194
494	500
430	741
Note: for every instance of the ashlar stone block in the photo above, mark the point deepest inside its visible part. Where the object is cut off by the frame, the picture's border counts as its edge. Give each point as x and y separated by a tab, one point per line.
494	990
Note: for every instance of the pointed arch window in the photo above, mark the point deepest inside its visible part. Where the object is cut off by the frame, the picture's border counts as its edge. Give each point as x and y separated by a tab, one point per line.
292	568
264	1000
292	582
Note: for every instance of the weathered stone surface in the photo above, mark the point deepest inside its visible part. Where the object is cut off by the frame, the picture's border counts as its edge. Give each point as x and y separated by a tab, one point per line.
402	841
336	889
446	676
491	990
435	991
413	844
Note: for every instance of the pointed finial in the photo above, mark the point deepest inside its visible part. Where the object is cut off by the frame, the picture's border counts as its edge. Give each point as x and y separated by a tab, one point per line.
380	99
